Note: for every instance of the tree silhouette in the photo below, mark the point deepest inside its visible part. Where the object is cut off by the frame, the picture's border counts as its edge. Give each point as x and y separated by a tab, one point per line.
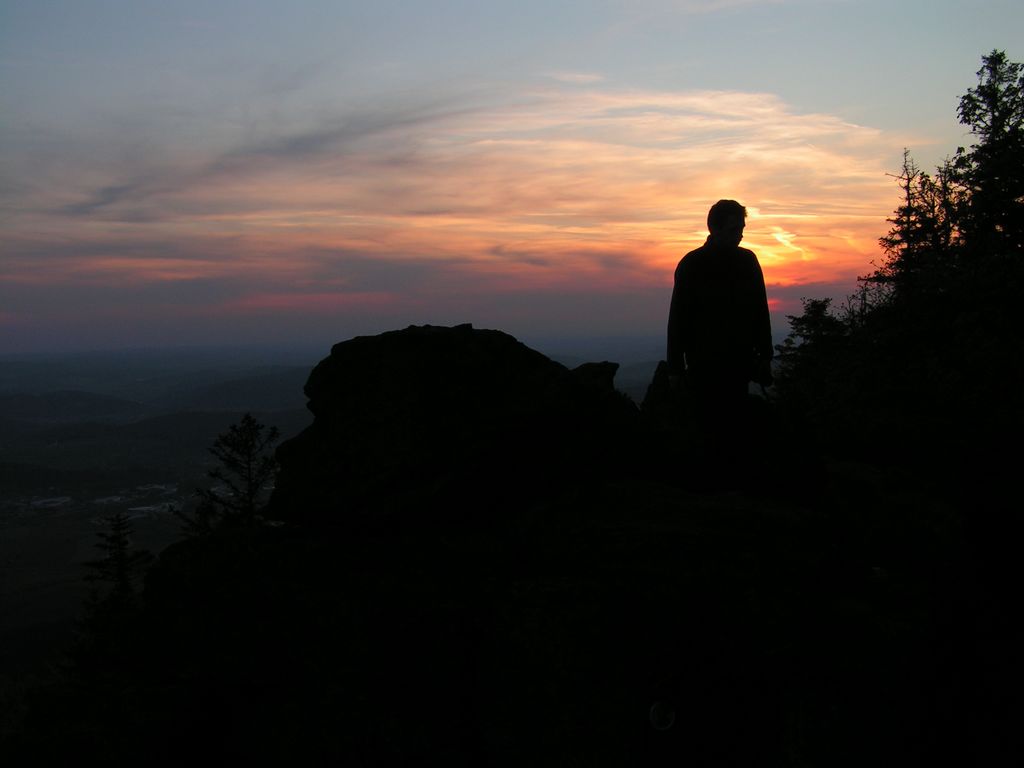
246	466
120	567
992	169
921	248
924	364
814	336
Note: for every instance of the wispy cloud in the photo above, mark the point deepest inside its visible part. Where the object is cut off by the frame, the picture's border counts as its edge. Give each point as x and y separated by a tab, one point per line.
566	189
576	78
699	6
329	146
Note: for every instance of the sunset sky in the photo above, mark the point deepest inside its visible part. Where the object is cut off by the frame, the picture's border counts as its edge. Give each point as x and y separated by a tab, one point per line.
180	173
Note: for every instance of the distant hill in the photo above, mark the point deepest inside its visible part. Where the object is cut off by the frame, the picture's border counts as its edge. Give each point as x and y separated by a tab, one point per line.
159	376
172	442
634	379
271	389
107	419
69	406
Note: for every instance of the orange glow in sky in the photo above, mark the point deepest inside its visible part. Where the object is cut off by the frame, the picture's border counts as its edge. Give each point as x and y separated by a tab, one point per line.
566	193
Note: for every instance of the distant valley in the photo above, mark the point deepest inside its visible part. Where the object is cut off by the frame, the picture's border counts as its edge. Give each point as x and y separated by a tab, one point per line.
83	436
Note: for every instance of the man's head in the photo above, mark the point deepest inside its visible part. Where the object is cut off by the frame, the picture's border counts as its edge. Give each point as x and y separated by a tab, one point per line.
725	222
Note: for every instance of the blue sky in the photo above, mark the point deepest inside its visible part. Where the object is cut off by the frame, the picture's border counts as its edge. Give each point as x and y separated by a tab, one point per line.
233	172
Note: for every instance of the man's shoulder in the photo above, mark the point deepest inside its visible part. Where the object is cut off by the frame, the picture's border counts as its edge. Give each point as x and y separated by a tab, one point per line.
747	256
697	254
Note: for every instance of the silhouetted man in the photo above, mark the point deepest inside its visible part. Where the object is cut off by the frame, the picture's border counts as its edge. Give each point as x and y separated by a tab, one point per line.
719	332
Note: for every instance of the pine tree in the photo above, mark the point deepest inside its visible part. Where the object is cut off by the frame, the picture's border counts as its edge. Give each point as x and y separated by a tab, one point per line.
120	567
806	357
921	248
245	466
992	169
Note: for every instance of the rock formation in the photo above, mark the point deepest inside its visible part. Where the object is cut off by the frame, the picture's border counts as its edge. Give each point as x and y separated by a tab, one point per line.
453	419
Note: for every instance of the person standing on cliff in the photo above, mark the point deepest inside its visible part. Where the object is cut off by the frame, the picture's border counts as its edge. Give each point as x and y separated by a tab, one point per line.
719	331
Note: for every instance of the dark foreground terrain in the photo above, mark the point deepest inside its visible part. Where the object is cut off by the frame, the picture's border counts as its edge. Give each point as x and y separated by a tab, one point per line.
849	635
512	564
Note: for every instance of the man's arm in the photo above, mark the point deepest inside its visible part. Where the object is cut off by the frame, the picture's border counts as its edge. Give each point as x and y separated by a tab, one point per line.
762	318
676	351
762	330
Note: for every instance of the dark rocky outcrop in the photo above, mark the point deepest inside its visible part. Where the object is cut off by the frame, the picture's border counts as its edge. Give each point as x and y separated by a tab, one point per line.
453	419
